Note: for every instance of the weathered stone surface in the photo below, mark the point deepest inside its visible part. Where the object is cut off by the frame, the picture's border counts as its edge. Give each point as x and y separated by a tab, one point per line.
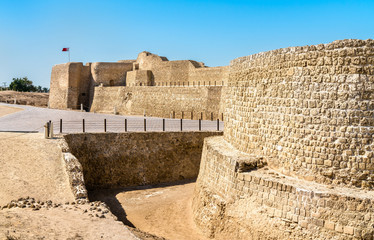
73	84
74	171
160	101
68	82
265	204
308	113
128	159
305	116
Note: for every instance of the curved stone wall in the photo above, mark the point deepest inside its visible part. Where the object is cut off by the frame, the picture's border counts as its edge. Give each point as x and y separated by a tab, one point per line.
308	111
264	204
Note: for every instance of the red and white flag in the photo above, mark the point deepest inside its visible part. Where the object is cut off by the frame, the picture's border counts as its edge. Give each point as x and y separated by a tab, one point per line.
65	49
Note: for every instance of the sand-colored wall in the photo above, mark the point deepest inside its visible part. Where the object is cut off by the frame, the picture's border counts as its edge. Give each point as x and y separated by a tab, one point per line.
296	158
263	204
59	85
139	78
308	110
67	83
160	101
112	160
73	84
212	76
181	72
110	73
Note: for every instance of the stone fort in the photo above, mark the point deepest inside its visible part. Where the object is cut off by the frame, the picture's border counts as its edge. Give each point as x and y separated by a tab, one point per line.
296	157
150	84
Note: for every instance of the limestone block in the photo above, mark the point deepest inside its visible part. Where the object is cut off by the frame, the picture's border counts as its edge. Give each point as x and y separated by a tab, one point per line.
348	230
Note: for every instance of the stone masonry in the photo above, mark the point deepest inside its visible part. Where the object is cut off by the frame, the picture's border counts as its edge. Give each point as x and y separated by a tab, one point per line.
74	84
175	102
112	160
296	159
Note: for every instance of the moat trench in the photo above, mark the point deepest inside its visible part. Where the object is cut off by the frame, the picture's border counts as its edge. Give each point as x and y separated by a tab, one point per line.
163	210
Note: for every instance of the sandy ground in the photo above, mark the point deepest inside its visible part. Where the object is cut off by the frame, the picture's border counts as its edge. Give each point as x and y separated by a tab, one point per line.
5	110
32	166
25	98
68	222
164	211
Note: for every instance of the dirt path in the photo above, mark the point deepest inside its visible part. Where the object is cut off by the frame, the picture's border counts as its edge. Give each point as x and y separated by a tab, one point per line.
5	110
32	166
162	211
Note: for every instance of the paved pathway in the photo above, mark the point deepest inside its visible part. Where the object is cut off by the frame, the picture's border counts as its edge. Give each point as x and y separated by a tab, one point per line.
34	118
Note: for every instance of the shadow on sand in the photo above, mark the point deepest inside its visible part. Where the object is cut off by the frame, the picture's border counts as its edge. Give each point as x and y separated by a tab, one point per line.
109	196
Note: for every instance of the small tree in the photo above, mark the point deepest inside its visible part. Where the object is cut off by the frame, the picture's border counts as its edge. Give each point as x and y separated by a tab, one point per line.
25	85
22	85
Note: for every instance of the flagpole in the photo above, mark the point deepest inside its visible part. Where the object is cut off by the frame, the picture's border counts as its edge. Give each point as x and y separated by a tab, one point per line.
69	54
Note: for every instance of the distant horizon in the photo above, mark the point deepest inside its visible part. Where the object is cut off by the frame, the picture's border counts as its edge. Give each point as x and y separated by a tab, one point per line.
213	32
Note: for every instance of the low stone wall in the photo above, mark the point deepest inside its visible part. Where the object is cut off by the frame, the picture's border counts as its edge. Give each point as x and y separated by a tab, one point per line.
263	204
74	170
112	160
160	101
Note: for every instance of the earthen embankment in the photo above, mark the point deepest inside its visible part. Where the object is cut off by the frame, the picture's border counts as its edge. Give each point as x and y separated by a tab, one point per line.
32	166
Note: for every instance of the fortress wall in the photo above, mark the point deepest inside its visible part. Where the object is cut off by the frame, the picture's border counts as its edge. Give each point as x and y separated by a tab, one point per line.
308	111
139	78
163	70
170	72
85	84
159	101
181	72
112	160
127	61
184	73
110	74
212	76
73	84
262	204
67	80
59	86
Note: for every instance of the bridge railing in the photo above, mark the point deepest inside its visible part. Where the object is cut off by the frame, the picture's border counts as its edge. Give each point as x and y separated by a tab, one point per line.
136	125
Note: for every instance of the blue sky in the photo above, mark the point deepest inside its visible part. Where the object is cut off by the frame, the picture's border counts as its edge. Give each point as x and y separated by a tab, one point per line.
33	33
